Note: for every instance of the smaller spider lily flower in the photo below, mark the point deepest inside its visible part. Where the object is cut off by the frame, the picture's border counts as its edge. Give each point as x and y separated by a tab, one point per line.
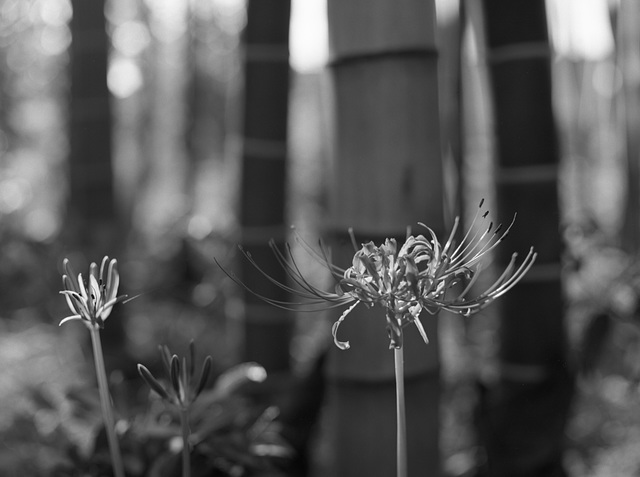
421	274
92	300
181	392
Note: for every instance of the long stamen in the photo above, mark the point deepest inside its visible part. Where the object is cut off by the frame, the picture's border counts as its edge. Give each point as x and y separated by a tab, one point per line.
471	227
315	297
322	257
452	235
498	239
461	254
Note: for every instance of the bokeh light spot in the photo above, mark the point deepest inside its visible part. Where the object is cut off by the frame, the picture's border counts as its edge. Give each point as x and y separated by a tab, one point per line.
55	40
14	195
199	227
41	225
55	13
124	77
131	38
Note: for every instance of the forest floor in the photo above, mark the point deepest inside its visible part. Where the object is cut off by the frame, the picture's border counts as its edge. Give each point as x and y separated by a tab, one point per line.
603	437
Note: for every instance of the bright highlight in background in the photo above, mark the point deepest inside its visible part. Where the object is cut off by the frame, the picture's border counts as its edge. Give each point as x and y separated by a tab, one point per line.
309	37
581	29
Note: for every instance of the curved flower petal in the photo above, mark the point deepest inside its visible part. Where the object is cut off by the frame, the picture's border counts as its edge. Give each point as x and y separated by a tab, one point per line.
334	329
93	271
95	294
66	282
421	330
82	289
71	276
69	318
113	280
103	265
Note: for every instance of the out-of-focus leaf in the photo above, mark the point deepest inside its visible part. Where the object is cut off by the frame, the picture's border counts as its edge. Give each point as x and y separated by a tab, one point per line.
85	402
40	398
232	379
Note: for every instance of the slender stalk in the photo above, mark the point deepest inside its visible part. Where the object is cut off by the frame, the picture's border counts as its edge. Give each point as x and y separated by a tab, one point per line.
105	404
398	356
186	454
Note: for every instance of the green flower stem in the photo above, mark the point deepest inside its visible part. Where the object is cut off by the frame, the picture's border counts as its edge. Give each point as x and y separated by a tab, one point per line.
186	454
105	404
401	414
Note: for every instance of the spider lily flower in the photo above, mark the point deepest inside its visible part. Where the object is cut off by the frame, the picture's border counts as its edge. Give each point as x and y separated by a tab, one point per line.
421	274
92	301
181	372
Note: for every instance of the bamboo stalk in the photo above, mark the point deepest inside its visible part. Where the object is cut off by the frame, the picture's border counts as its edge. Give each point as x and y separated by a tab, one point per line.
267	333
519	428
91	199
628	64
386	175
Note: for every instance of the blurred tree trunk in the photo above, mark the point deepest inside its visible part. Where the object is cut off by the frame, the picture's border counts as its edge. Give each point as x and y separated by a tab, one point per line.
196	95
267	330
91	212
628	58
387	175
522	418
92	225
450	34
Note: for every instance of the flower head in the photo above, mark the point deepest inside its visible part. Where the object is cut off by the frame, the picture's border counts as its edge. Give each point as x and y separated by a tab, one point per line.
383	275
92	300
181	372
422	274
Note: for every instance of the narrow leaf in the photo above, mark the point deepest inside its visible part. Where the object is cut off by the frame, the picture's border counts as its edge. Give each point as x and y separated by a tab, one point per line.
153	382
204	376
192	358
175	374
166	357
